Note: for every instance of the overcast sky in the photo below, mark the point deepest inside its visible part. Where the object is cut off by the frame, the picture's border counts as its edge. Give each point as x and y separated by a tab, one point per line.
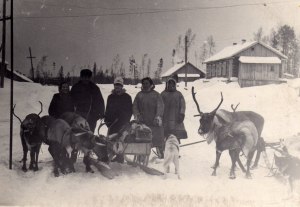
99	30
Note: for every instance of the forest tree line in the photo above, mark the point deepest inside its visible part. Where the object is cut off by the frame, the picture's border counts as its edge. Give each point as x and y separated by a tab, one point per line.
282	38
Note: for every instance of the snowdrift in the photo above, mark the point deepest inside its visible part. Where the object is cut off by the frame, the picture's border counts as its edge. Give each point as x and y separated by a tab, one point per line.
279	104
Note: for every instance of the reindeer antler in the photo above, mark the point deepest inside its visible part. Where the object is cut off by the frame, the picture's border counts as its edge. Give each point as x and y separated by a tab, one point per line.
234	108
41	108
101	124
219	104
196	102
13	111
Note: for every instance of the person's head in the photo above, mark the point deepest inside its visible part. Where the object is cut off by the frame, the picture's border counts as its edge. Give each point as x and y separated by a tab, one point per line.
118	85
171	85
147	84
86	74
64	88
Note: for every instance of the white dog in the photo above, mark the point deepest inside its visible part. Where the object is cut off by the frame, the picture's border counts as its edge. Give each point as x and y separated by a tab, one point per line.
171	155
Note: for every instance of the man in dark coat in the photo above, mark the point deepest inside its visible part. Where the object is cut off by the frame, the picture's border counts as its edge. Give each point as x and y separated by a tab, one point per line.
174	112
118	108
61	102
88	99
148	108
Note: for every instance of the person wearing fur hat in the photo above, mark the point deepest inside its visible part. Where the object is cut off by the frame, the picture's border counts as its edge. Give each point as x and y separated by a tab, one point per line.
88	99
148	108
174	112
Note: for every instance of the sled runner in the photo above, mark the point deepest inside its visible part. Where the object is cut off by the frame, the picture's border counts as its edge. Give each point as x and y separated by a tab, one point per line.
103	168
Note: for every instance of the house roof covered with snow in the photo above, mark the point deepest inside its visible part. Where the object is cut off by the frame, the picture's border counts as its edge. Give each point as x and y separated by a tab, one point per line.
172	70
175	68
261	60
233	50
20	75
17	73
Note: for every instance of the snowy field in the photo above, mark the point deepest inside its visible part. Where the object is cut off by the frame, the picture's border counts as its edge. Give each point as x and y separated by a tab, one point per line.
279	104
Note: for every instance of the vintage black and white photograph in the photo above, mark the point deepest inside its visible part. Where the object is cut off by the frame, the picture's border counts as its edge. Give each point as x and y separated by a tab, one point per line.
150	103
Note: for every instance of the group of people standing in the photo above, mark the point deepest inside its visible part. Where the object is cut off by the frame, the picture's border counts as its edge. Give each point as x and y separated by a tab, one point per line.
164	113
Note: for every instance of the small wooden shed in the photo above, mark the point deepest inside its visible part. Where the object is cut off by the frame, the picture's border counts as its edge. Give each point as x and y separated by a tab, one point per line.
193	73
253	63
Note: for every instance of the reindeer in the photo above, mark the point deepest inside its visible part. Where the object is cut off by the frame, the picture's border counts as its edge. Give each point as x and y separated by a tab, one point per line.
32	132
261	145
235	131
63	139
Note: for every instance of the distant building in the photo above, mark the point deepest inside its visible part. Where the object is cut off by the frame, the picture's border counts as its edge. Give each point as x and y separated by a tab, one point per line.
17	75
178	70
253	63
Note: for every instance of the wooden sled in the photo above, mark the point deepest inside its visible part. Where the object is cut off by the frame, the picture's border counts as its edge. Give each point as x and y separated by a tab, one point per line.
141	153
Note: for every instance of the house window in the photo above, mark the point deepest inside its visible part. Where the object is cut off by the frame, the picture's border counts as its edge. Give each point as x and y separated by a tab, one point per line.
272	68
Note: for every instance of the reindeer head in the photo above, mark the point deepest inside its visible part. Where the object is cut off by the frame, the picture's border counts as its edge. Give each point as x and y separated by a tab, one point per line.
206	119
30	129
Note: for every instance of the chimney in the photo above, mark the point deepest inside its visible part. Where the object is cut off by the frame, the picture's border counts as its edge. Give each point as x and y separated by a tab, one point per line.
234	43
243	41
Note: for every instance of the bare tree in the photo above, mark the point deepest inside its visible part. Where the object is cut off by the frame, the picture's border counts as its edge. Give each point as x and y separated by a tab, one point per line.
60	73
159	68
143	64
122	70
115	65
211	45
178	53
149	67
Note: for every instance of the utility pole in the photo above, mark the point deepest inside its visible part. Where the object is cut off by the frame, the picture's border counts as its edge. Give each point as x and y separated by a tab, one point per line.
3	46
32	69
185	58
11	81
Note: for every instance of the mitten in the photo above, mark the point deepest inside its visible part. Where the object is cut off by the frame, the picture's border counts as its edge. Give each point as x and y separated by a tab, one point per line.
139	118
157	121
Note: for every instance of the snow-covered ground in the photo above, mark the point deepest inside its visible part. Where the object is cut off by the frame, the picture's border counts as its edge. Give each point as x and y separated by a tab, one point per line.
279	104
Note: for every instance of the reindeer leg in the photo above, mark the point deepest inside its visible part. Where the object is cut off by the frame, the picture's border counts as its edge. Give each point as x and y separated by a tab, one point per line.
218	155
87	162
55	153
234	153
258	152
52	151
261	147
217	162
36	168
32	158
249	159
291	183
241	164
25	151
66	163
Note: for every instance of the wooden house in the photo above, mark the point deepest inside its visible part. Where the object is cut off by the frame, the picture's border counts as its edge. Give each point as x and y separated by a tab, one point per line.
253	63
17	75
179	70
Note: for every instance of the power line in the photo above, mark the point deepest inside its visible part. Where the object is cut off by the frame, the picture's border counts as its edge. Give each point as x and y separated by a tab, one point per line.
85	7
154	11
162	9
